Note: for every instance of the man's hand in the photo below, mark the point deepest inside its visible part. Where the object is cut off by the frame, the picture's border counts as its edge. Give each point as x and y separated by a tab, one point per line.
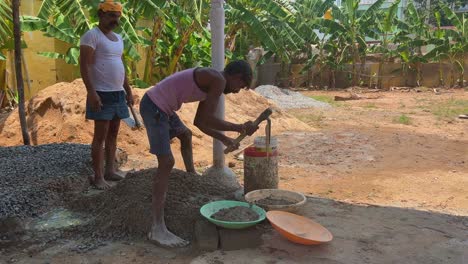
229	142
130	99
94	101
250	128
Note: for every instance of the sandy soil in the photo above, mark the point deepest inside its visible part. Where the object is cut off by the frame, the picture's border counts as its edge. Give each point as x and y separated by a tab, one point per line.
363	154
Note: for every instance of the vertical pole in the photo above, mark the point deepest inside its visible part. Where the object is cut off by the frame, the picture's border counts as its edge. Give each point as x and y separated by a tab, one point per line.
217	22
19	73
219	171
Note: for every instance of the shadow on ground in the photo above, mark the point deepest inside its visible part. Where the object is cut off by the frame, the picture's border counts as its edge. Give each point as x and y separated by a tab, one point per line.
362	234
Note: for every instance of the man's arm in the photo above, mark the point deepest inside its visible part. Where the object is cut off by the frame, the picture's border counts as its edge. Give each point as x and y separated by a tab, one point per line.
205	118
127	88
87	58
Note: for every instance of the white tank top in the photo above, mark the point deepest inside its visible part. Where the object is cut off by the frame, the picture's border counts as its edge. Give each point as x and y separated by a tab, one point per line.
107	73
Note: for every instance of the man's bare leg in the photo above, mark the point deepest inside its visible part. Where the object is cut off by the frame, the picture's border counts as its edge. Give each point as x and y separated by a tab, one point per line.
101	128
186	150
111	148
159	233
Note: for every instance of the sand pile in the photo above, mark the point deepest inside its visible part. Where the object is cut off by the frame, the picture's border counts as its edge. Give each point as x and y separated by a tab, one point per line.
57	113
125	210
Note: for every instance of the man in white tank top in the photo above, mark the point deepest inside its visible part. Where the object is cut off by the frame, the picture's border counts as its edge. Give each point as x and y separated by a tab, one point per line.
108	92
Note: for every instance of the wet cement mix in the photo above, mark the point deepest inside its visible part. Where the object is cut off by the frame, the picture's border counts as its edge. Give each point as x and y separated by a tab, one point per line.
274	201
236	214
125	210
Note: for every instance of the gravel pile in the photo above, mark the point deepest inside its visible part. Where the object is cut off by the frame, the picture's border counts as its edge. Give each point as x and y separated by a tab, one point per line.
35	178
288	99
39	179
124	211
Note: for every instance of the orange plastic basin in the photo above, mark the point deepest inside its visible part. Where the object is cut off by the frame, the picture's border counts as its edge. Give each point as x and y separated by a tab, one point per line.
298	229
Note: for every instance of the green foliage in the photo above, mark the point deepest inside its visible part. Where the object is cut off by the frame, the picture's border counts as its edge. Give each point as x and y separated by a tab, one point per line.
449	109
174	34
327	99
402	119
6	27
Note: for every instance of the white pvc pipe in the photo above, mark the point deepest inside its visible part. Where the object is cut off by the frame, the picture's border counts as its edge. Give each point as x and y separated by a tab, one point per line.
217	22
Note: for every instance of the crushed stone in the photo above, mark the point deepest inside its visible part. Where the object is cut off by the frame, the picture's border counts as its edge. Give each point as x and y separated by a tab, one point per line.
124	211
36	178
287	99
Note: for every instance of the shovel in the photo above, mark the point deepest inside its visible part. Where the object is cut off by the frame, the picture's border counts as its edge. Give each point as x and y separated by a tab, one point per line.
132	121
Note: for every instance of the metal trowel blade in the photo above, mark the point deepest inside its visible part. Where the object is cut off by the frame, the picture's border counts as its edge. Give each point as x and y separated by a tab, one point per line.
130	122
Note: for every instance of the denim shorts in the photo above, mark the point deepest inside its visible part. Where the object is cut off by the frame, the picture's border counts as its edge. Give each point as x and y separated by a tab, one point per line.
114	104
160	127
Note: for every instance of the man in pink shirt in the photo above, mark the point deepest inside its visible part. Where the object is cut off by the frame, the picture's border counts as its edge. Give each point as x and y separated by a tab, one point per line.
158	108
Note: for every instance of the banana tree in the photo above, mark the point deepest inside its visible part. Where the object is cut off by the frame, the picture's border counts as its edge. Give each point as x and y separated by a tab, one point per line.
267	22
412	36
178	42
309	12
386	27
6	27
354	27
456	42
6	37
68	20
7	45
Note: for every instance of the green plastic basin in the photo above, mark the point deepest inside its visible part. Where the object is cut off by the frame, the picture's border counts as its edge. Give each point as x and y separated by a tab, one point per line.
209	209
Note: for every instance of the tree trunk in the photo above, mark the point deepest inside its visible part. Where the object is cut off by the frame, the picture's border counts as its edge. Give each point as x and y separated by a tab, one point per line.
231	38
19	73
355	60
149	64
180	48
441	74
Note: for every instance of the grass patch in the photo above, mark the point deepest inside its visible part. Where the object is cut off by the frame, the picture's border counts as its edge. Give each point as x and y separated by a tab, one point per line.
402	119
311	119
326	99
370	106
450	109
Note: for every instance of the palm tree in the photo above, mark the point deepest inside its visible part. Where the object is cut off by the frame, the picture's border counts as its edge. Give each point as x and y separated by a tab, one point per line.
19	74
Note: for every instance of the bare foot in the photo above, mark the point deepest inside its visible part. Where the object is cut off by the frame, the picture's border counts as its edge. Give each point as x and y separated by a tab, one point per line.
166	239
101	184
114	176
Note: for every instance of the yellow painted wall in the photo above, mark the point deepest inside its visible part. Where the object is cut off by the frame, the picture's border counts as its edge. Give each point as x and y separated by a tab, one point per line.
64	72
41	69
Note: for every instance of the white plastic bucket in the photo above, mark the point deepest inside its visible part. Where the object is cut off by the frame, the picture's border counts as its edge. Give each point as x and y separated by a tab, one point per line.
261	146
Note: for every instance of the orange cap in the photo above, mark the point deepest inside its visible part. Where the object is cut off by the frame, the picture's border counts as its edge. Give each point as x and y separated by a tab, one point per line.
110	5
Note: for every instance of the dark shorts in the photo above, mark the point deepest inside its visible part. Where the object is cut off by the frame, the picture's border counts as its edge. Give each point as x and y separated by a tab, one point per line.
114	105
160	127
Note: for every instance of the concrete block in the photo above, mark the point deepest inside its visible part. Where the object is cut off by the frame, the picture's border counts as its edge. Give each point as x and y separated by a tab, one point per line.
234	239
206	235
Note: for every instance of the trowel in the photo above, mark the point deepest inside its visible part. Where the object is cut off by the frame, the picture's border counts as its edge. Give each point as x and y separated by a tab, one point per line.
262	117
132	121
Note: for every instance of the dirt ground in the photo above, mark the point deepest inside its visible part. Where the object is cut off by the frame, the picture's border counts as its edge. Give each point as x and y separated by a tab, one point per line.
365	152
387	176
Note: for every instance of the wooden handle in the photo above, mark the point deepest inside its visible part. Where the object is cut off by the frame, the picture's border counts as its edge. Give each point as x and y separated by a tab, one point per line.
263	116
